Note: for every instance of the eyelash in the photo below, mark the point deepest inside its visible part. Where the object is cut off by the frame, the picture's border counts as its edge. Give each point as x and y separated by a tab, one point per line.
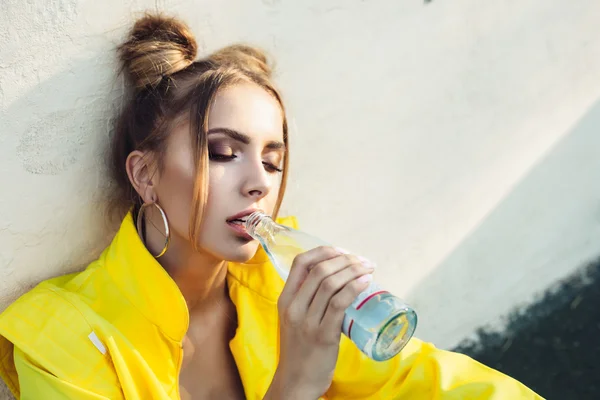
224	158
221	157
272	168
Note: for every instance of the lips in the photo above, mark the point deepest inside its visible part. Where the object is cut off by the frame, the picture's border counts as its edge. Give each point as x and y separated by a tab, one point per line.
240	222
237	223
241	216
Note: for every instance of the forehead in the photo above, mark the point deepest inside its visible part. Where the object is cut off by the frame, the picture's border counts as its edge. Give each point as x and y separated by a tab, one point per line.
249	109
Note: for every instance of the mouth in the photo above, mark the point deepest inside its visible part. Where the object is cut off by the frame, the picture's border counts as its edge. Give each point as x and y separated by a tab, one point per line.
238	223
239	228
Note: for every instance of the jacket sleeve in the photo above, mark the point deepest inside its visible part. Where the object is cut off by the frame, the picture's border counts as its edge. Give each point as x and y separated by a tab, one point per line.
45	352
36	383
421	371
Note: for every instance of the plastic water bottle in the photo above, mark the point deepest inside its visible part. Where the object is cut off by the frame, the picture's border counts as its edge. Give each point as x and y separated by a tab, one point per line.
377	322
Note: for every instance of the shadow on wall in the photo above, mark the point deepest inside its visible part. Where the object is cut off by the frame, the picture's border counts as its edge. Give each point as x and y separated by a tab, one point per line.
544	230
55	160
553	346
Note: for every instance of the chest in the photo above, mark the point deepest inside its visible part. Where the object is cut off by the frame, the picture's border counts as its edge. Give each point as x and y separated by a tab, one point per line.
208	369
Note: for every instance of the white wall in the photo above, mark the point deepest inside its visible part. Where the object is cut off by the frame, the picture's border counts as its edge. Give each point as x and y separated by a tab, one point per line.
456	143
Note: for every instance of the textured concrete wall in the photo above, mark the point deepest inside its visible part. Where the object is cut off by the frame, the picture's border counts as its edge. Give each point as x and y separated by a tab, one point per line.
455	142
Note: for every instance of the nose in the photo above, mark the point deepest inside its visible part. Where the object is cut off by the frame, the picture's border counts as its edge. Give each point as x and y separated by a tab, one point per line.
257	183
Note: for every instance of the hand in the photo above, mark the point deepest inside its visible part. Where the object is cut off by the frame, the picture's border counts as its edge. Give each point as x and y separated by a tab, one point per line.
323	282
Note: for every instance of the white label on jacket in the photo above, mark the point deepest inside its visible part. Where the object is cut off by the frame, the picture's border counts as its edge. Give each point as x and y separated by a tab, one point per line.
96	341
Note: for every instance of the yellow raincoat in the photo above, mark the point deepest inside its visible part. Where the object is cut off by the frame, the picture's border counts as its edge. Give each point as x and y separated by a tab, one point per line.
115	331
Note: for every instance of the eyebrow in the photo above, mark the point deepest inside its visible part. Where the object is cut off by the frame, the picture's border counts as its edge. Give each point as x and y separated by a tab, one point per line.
240	137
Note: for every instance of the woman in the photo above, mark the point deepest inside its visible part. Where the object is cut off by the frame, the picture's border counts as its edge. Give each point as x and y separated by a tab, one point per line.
182	304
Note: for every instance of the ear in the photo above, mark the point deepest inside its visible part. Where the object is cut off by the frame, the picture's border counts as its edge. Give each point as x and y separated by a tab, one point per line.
142	175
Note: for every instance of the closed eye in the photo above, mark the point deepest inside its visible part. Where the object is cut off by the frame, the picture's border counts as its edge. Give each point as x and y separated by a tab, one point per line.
271	167
221	157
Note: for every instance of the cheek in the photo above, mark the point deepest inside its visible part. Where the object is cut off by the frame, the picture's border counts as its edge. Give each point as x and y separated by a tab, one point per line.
219	201
175	192
219	186
271	199
216	176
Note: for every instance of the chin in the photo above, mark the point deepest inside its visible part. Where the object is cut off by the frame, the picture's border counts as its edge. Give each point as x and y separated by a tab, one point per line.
242	253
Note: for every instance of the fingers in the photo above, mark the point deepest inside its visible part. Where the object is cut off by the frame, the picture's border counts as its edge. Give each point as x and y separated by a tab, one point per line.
332	284
300	269
334	315
318	273
322	284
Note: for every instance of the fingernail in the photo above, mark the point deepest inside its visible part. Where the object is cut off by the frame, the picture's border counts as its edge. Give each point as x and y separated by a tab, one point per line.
365	278
341	251
366	262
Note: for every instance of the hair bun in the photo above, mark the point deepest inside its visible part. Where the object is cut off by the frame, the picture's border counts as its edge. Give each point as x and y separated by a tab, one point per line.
246	57
157	47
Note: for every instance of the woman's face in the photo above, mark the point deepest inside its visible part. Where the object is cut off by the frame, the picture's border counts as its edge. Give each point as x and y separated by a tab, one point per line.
245	141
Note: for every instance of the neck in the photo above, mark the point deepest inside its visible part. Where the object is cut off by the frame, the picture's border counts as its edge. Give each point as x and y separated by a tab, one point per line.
200	277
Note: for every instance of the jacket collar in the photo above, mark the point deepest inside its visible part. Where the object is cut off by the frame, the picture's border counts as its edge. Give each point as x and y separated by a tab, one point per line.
150	289
253	287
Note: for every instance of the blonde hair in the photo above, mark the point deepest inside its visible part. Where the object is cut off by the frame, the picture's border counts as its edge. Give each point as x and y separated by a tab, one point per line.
166	83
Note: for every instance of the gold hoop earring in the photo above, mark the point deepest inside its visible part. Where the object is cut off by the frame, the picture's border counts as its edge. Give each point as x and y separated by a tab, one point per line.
140	220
